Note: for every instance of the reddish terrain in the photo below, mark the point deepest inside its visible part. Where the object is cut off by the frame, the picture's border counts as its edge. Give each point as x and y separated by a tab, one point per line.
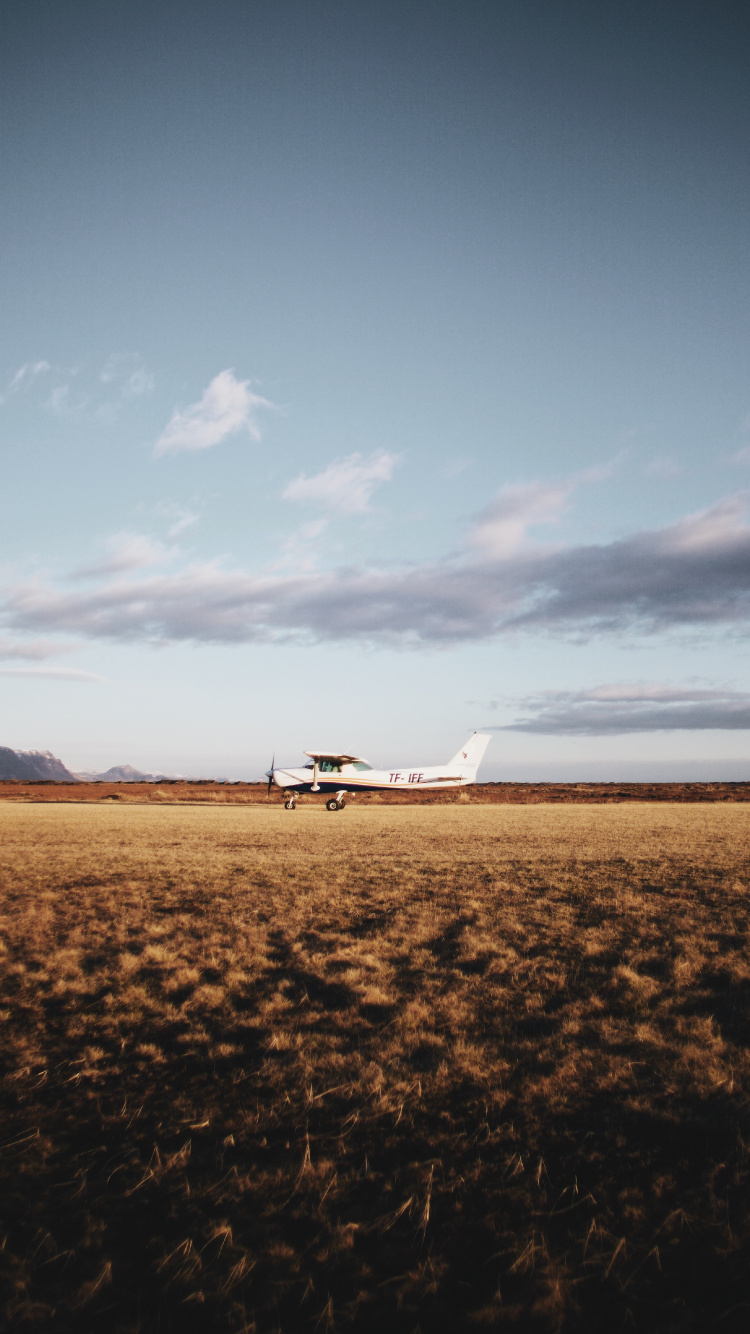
482	793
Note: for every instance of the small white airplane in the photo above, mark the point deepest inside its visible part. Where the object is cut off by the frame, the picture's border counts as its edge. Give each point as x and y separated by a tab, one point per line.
339	774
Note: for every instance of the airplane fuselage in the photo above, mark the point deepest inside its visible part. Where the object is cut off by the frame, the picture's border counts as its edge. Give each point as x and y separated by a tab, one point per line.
355	778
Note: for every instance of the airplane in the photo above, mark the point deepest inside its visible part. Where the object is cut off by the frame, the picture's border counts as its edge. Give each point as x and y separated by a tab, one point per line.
340	774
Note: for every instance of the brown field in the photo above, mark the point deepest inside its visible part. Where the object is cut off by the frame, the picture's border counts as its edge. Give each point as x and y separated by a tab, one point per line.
403	1068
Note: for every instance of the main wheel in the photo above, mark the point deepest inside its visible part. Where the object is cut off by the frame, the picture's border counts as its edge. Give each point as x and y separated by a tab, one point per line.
289	805
332	805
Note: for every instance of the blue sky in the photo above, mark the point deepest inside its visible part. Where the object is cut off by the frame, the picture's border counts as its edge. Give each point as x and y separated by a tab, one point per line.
371	373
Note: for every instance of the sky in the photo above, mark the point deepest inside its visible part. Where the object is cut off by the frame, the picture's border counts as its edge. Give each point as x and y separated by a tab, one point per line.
372	373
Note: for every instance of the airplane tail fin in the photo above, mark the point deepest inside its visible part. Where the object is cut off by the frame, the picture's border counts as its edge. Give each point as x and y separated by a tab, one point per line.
470	755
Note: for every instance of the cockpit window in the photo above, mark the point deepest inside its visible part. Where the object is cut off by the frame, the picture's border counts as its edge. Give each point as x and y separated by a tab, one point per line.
360	764
329	767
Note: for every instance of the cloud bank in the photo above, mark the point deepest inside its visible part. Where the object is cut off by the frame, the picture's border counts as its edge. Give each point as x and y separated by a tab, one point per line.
611	710
691	575
227	407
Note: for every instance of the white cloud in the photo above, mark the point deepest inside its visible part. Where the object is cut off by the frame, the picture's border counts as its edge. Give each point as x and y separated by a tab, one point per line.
127	551
72	391
301	551
27	373
227	406
52	674
720	525
124	371
24	376
62	403
181	517
456	467
503	526
31	649
663	466
636	693
140	381
345	486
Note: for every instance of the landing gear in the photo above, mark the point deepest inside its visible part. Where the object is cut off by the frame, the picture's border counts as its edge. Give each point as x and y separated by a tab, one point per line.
335	804
289	804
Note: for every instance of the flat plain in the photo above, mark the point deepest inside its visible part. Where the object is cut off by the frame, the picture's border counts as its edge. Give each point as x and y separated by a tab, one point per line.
411	1068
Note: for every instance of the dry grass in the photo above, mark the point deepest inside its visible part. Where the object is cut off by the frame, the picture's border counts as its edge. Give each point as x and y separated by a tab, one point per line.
434	1069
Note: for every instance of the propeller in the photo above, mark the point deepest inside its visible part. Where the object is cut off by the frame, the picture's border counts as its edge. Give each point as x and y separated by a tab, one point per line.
269	776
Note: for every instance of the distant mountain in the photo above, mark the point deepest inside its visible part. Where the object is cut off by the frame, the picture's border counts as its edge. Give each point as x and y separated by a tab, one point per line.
25	765
119	773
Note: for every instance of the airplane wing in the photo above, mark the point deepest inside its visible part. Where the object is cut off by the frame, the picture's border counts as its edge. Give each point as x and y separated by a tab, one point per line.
334	755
